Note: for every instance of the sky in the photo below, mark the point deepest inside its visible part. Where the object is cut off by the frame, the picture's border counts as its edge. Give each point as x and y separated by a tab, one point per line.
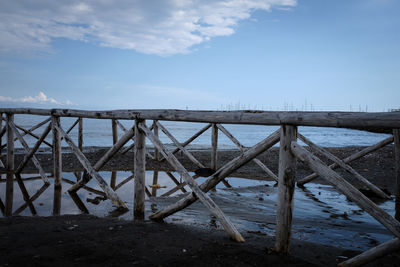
341	55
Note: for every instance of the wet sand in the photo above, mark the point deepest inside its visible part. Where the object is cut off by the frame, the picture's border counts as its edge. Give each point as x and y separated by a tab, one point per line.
327	228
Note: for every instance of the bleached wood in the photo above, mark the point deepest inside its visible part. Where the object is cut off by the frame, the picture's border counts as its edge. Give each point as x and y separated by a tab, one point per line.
115	139
124	182
25	193
346	188
30	153
344	166
372	254
242	148
32	198
349	159
223	172
140	171
176	142
359	120
92	172
10	166
204	198
29	130
156	157
57	166
32	134
396	135
286	183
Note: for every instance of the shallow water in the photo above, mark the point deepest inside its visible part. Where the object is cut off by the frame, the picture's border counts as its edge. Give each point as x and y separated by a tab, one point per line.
320	213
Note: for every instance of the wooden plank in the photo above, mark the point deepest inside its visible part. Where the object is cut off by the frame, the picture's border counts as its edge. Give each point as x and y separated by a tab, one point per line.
346	188
214	148
242	148
10	166
140	172
396	135
204	198
372	254
359	120
92	172
349	159
223	172
344	166
57	166
286	183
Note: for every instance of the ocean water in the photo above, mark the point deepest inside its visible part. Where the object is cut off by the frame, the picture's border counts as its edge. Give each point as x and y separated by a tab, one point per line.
98	132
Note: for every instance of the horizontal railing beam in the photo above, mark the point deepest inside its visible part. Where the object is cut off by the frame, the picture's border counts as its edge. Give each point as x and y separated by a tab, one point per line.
359	120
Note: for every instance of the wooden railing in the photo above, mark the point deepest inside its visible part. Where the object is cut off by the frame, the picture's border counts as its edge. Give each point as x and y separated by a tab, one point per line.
290	151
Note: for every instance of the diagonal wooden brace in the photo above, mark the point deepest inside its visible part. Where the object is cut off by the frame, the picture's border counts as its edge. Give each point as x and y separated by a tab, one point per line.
349	159
204	198
93	172
242	148
346	188
223	172
344	166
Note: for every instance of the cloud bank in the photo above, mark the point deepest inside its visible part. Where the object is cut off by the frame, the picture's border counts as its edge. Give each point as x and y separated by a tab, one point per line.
41	98
161	27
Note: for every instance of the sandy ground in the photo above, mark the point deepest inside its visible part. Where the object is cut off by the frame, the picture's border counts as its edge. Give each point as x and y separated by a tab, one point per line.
85	240
183	240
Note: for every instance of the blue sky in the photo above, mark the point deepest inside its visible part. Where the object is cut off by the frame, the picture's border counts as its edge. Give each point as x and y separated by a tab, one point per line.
271	54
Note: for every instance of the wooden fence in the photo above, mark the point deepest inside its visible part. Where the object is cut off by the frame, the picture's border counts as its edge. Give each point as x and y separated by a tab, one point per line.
290	152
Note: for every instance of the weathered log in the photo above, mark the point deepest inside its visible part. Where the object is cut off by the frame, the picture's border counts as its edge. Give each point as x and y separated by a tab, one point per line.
156	157
25	193
286	183
30	152
29	130
360	120
349	159
179	186
140	171
344	166
242	148
118	186
184	150
346	188
10	166
223	172
115	139
57	170
372	254
33	135
32	198
193	137
87	188
92	172
396	135
204	198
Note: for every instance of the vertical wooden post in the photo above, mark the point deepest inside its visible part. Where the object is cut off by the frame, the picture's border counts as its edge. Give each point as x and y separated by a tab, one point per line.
10	166
156	157
214	148
80	144
57	166
396	135
286	183
115	139
139	172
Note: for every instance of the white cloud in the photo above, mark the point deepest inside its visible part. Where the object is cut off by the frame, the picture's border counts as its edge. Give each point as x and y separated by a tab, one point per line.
161	27
41	98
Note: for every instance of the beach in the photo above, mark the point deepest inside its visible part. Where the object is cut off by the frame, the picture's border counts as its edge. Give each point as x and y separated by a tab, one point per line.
323	233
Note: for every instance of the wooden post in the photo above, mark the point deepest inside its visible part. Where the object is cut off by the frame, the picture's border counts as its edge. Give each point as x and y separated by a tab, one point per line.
115	139
80	143
286	183
396	135
10	166
140	172
57	167
156	157
214	148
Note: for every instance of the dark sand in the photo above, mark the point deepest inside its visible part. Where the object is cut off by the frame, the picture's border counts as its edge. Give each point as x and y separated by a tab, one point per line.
90	241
